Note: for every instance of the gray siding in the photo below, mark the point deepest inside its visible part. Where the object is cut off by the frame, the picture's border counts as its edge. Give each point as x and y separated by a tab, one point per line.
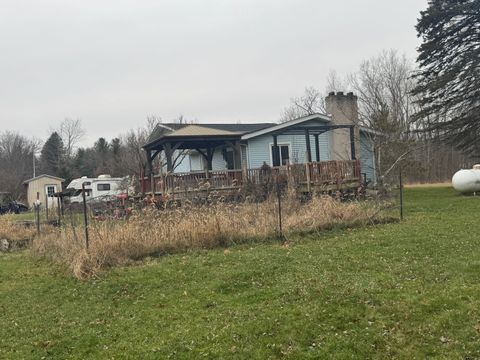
259	148
218	162
194	162
184	165
367	157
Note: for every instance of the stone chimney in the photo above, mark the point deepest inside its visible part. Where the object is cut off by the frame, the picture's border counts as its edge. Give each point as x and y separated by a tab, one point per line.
344	111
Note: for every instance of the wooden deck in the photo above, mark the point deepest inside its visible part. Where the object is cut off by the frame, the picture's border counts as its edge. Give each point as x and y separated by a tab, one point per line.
310	177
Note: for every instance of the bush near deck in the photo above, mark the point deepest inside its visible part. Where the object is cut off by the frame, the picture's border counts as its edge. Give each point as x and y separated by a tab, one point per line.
405	290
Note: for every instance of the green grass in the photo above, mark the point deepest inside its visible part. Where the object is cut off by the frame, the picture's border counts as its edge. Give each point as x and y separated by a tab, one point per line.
405	290
25	216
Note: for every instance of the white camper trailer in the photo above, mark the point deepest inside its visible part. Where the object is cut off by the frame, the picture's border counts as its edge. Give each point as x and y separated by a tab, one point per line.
102	188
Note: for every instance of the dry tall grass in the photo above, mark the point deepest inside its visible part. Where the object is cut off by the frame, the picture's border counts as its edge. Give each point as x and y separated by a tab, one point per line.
13	232
151	232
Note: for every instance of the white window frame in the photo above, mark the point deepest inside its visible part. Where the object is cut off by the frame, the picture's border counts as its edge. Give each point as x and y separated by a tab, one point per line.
54	189
289	144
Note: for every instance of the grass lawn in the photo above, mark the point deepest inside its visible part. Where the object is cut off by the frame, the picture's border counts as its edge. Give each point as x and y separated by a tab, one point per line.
405	290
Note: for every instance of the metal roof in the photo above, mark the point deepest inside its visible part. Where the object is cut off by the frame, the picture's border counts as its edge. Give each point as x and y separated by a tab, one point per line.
163	129
198	130
201	130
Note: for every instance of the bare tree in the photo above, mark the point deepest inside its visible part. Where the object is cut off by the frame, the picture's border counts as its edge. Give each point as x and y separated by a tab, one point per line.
17	156
334	82
71	131
311	102
383	85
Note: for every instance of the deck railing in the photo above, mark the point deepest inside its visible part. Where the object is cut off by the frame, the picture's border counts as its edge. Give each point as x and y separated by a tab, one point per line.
314	174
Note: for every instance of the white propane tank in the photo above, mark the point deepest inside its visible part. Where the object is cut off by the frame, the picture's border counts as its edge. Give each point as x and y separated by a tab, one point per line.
467	180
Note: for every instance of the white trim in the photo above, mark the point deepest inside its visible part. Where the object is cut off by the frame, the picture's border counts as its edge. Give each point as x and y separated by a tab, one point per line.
165	127
286	125
270	148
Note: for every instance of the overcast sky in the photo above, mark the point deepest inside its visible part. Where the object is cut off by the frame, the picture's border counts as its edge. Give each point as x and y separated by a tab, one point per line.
112	63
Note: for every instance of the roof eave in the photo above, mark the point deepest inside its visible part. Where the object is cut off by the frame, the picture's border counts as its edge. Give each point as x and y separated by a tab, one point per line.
286	124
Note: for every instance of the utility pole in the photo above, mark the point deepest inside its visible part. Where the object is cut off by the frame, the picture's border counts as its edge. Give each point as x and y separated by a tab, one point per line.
33	163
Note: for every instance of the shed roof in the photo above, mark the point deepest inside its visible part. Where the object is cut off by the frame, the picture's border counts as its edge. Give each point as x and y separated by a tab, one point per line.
42	176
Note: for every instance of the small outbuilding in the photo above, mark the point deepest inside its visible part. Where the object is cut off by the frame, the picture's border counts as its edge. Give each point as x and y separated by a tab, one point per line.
43	188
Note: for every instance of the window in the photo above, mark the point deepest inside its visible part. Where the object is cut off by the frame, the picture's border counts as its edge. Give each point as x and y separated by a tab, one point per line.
103	187
284	154
50	190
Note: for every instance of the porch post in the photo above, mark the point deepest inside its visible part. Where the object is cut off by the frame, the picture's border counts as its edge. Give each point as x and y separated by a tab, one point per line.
317	147
352	142
209	159
149	169
309	149
276	152
237	151
168	155
210	152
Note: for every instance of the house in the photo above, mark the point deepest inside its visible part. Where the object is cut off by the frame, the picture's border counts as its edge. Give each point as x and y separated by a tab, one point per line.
43	188
188	148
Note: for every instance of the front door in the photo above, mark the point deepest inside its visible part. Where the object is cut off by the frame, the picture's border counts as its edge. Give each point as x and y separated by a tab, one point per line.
49	191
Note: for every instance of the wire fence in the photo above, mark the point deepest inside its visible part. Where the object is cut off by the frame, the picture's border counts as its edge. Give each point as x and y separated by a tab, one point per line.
270	208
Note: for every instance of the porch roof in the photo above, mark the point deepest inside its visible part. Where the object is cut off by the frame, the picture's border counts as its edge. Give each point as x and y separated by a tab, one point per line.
192	136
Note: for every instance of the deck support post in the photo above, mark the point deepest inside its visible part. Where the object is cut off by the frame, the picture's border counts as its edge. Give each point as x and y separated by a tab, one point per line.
352	142
317	147
307	143
276	152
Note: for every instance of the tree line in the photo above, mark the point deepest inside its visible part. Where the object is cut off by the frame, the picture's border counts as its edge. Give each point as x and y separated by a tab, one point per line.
22	158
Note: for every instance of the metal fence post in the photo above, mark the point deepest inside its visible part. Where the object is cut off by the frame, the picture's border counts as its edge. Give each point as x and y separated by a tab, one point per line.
279	201
85	215
37	217
46	206
400	180
59	211
36	207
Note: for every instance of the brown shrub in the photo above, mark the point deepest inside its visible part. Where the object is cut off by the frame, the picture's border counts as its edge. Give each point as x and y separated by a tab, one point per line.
152	232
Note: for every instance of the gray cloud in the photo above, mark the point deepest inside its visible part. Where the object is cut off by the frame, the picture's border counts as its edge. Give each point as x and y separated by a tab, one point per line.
113	62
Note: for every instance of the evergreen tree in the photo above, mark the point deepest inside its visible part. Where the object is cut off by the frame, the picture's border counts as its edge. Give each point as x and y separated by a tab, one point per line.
84	163
449	75
52	156
102	155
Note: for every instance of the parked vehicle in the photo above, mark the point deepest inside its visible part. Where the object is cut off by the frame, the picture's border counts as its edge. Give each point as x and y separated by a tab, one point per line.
9	205
102	188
